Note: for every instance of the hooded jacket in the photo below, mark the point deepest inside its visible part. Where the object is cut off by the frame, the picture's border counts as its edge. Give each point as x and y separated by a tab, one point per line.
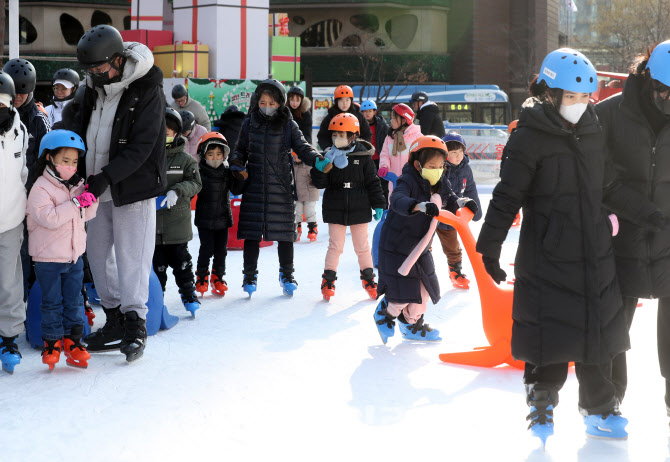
643	162
462	183
191	147
212	209
198	111
324	138
396	163
230	124
305	120
124	128
567	304
430	120
353	192
13	174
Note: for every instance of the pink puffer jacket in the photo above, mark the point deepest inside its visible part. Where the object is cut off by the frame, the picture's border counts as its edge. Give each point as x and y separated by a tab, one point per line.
55	224
397	162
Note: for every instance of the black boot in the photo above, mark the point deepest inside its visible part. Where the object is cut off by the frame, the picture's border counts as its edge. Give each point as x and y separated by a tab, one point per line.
135	336
108	337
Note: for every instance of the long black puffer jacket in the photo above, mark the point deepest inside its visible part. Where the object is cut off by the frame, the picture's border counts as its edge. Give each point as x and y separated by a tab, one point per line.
567	305
212	208
402	231
324	135
643	162
351	193
268	201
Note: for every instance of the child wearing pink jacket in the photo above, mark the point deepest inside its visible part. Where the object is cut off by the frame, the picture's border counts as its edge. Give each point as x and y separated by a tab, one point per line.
58	205
403	133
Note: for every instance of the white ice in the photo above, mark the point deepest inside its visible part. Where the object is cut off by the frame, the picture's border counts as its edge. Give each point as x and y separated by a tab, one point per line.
300	379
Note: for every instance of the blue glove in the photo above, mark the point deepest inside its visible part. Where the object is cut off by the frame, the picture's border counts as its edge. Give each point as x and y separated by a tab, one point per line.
378	214
322	164
338	157
159	201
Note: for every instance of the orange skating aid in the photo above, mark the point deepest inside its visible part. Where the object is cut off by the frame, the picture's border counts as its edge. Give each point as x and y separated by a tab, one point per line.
51	353
219	286
517	220
496	304
75	353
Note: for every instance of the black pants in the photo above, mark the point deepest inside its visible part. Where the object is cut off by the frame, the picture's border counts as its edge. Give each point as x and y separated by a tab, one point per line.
177	257
597	393
252	249
619	366
213	243
383	182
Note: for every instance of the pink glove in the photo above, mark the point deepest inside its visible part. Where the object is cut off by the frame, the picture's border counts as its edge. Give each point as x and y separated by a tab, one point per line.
382	172
615	224
84	200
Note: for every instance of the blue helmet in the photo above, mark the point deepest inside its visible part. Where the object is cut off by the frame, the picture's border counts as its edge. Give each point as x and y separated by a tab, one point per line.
57	139
368	104
659	63
569	70
453	136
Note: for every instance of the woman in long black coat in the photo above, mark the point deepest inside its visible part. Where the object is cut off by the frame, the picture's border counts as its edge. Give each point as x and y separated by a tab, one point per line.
567	304
262	160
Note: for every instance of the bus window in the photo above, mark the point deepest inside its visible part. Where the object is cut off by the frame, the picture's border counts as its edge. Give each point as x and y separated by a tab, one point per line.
493	114
456	112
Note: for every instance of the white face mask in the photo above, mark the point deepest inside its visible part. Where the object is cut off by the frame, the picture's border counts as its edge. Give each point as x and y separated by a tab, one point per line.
340	142
214	163
573	112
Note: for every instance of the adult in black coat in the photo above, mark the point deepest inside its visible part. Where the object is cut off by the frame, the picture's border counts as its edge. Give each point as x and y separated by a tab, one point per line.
638	137
230	124
263	156
428	114
301	110
344	104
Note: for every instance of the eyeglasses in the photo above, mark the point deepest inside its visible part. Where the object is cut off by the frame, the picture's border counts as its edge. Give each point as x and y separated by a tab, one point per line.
660	87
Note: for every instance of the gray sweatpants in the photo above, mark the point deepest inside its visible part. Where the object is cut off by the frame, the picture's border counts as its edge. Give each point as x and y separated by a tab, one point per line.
120	247
12	307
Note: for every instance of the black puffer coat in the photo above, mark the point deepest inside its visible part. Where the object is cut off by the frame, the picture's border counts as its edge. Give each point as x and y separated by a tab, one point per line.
643	162
324	138
567	305
352	193
230	124
430	120
402	231
461	175
37	124
268	201
212	208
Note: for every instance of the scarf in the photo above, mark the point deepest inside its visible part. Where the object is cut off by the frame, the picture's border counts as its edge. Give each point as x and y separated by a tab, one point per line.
399	141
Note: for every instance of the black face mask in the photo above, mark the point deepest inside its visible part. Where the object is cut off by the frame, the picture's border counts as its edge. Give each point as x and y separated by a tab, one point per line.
100	79
4	115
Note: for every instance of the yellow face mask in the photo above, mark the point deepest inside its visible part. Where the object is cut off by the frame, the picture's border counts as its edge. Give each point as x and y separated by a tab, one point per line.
433	175
169	140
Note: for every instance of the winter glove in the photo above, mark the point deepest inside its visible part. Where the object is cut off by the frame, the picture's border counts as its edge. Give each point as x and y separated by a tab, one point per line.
656	221
159	201
97	184
322	164
469	203
378	214
239	171
84	200
338	157
492	267
170	199
615	224
381	173
428	208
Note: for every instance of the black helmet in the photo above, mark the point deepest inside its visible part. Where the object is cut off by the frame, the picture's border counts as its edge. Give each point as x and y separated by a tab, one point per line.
99	45
419	96
179	91
297	91
68	75
187	121
7	85
272	84
23	74
170	113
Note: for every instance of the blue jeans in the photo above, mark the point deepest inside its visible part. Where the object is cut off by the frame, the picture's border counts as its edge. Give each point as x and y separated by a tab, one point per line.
62	301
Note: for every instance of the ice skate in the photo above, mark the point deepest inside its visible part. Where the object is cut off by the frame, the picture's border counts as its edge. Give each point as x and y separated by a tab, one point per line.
286	281
134	337
328	284
202	281
384	321
313	231
90	315
541	415
610	425
458	279
368	278
190	302
219	285
250	282
108	337
51	353
418	331
75	353
297	233
9	354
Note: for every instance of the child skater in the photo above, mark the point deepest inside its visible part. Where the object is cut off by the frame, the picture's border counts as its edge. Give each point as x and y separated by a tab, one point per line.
403	133
262	161
58	206
173	214
413	206
352	195
213	216
462	183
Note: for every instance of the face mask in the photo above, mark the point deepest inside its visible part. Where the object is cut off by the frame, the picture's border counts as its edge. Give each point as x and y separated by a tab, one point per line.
433	175
169	140
65	171
268	111
100	79
4	115
340	143
214	163
573	113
